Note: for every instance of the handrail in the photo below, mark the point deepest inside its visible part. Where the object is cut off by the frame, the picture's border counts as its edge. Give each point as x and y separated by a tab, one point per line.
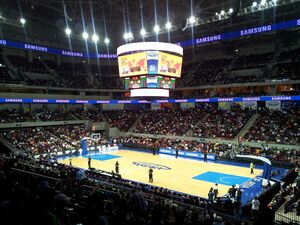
36	174
285	217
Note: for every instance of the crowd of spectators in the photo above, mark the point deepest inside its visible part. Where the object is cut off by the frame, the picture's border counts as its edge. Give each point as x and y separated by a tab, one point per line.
23	64
93	115
169	121
41	140
253	61
216	71
123	119
16	116
217	123
281	127
53	194
289	197
44	114
222	124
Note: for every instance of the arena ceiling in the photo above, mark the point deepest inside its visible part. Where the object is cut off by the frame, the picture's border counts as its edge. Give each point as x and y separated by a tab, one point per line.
114	17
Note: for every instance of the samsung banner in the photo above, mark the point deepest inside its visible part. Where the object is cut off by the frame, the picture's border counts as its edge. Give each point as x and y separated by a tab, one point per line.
201	40
79	101
241	33
196	155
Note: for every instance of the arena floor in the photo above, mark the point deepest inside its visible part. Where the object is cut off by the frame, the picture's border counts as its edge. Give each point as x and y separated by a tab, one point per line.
184	175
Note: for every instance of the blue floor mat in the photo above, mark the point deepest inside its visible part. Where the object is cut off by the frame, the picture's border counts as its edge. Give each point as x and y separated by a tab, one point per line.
101	157
221	178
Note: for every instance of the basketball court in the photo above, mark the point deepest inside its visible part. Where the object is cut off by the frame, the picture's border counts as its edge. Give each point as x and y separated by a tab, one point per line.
189	176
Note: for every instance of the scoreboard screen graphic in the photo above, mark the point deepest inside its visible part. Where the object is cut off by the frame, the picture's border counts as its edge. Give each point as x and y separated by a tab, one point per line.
150	69
133	64
150	62
135	82
169	65
166	82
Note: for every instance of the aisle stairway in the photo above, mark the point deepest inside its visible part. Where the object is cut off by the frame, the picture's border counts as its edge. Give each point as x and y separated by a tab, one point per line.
136	122
247	126
190	132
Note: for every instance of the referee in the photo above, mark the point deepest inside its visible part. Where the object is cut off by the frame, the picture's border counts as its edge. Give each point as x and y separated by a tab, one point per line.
117	167
150	175
251	168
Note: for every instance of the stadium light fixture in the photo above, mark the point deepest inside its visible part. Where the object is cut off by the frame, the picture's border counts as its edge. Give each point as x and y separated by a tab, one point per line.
128	36
156	29
22	21
222	13
263	2
168	25
254	4
95	38
68	31
106	40
230	10
192	20
85	35
143	32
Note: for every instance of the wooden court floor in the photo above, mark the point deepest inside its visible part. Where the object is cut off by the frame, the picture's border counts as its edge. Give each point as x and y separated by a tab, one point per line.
179	177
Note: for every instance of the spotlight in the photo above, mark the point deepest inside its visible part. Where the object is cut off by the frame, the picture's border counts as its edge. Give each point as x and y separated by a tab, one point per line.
168	25
68	31
230	10
106	41
95	37
192	19
22	21
130	35
143	32
222	12
217	13
156	28
85	35
263	2
254	4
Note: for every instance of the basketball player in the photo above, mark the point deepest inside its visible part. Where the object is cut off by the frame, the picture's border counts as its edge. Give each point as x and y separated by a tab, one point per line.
251	168
89	162
176	153
216	190
70	162
150	175
117	167
205	156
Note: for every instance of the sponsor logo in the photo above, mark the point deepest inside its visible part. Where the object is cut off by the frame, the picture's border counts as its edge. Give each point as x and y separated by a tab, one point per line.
208	39
2	42
256	30
76	54
36	47
298	22
151	165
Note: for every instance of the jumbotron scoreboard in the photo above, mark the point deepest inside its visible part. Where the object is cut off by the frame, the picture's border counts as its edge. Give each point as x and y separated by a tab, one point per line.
150	69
